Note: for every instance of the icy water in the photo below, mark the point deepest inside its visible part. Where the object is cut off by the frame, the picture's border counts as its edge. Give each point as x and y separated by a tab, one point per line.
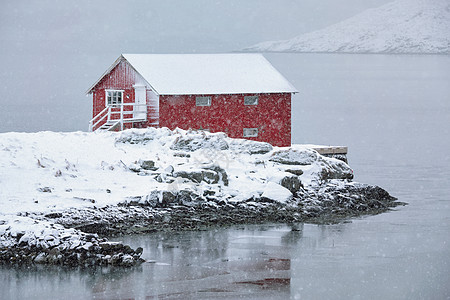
394	114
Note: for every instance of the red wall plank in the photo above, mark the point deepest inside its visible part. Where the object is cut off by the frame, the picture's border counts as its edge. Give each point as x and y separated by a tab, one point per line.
227	113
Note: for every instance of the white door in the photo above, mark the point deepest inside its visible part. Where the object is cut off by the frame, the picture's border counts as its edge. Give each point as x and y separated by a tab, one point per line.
140	109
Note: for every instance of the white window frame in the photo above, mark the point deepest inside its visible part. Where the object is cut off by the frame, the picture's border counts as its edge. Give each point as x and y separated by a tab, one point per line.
200	101
250	132
251	100
111	91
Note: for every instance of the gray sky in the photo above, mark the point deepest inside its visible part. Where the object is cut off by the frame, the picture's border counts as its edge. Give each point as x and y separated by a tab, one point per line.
52	51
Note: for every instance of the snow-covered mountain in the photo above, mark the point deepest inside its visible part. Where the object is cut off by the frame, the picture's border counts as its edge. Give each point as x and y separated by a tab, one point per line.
402	26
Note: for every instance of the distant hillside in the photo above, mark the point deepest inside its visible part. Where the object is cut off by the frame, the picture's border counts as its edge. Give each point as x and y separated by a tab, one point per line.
402	26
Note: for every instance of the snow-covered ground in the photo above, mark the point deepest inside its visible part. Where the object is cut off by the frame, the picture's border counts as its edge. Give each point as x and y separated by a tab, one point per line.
402	26
49	179
49	171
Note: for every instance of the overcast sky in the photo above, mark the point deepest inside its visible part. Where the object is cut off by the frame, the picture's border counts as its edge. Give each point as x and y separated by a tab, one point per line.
52	51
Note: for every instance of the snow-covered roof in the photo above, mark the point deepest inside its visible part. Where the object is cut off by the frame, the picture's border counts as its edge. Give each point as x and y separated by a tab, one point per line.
190	74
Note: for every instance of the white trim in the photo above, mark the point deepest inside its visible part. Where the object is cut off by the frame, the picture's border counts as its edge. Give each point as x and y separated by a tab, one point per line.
118	60
113	90
140	99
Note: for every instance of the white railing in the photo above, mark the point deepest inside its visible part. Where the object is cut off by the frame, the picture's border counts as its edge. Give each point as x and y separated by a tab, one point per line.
118	109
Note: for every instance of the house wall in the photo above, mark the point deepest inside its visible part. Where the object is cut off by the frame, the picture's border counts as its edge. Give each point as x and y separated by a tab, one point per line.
227	113
121	77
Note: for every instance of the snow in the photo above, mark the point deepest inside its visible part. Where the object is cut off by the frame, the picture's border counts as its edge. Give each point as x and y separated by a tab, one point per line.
37	233
49	172
402	26
197	74
277	192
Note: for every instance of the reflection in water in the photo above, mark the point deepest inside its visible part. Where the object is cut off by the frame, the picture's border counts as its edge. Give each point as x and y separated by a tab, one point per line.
232	262
47	282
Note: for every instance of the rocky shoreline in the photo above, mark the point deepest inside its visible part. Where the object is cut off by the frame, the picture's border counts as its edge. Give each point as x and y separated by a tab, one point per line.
330	203
194	181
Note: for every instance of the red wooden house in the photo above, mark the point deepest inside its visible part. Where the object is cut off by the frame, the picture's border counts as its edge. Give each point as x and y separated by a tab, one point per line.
239	94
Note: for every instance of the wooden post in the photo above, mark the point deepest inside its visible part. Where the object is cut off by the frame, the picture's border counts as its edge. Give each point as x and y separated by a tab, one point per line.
121	117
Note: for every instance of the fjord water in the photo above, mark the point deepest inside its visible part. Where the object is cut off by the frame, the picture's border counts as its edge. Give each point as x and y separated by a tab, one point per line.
394	114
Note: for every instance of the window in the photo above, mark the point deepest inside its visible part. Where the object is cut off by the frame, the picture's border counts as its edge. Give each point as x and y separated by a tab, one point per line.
250	132
250	100
202	101
114	97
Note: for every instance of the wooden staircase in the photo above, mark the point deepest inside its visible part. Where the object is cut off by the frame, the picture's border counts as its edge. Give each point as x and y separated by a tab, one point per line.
110	126
114	117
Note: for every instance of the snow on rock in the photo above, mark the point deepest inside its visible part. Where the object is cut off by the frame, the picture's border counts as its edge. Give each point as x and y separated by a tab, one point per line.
200	140
251	147
144	179
24	240
83	170
277	193
402	26
295	156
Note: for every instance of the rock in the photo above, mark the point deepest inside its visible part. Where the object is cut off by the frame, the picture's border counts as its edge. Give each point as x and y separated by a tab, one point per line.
341	157
127	260
276	193
292	183
151	199
166	199
251	147
195	176
137	136
187	197
116	259
135	167
148	165
45	189
295	157
181	154
41	258
196	141
378	193
221	172
88	246
259	147
85	199
297	172
210	176
53	215
159	199
169	170
335	169
107	246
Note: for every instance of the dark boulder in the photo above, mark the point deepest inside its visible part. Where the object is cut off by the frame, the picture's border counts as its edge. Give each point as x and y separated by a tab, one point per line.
292	183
